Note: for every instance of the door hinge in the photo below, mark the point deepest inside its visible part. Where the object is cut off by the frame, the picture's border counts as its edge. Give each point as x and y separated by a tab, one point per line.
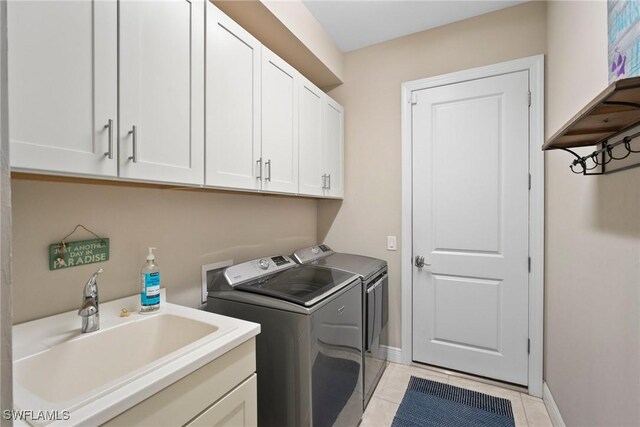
529	181
529	98
529	262
528	345
414	98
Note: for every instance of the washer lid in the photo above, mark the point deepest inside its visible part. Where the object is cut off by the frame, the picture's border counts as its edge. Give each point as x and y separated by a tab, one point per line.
363	266
303	284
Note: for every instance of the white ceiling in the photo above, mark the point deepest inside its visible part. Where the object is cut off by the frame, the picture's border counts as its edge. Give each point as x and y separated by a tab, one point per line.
354	24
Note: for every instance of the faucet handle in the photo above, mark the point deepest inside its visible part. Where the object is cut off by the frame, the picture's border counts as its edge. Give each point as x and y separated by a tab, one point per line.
88	308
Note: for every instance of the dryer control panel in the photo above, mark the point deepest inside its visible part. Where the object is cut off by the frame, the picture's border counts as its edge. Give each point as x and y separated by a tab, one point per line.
306	255
251	270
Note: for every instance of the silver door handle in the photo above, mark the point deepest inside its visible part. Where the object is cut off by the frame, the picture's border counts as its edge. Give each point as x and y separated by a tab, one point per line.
268	165
134	133
324	181
109	126
259	163
329	182
419	262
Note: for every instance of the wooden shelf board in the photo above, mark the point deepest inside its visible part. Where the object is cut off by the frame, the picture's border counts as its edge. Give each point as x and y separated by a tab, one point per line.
614	110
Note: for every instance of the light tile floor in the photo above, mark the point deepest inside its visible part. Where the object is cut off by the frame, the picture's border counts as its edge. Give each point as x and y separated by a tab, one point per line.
528	411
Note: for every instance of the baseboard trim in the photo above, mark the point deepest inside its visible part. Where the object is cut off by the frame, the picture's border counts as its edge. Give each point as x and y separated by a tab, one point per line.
552	408
394	354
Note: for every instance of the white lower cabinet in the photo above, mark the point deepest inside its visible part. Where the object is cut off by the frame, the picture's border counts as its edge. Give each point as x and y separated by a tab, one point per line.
221	393
237	409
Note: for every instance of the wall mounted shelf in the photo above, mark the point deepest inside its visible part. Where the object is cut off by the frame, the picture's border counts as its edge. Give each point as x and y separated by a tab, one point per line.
613	112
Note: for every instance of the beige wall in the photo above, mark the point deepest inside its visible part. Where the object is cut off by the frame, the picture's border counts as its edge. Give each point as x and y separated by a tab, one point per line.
291	32
189	228
371	97
296	17
592	331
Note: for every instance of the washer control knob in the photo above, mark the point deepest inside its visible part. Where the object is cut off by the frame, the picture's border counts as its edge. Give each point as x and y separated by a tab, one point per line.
315	250
263	264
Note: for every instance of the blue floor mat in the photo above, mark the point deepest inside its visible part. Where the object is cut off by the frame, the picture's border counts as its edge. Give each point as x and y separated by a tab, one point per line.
430	403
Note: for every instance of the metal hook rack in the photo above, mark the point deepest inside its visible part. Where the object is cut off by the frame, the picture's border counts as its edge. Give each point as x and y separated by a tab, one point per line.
613	115
583	165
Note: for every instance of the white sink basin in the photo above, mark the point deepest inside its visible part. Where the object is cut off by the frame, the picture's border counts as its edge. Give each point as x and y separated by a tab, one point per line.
95	376
76	367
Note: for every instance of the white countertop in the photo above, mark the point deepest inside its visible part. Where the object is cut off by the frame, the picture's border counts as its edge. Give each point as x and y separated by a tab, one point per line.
35	337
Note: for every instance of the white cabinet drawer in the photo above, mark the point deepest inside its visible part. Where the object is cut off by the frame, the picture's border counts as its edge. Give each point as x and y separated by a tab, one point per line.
237	409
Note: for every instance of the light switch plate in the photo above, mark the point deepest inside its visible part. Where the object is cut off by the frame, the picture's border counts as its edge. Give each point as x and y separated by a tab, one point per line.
392	243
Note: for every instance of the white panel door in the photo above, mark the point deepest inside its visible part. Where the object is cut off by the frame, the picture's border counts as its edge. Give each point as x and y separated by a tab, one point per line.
279	124
333	148
311	175
470	223
162	90
233	62
63	86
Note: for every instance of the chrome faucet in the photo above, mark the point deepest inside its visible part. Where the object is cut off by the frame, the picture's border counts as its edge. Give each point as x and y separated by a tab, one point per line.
89	308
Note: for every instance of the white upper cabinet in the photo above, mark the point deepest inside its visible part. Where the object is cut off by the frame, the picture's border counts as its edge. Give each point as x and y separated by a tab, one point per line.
161	132
321	143
333	118
63	86
311	176
169	91
233	62
279	124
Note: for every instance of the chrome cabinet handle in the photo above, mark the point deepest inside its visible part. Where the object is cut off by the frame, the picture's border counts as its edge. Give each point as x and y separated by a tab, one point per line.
109	126
268	165
259	164
134	132
419	262
329	181
324	181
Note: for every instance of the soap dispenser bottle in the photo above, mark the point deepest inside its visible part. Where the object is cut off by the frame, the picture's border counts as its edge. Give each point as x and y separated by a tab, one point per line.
150	280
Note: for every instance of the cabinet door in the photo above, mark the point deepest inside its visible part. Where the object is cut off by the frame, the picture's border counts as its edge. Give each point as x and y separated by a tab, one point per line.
279	124
334	148
232	104
311	176
63	86
162	90
239	408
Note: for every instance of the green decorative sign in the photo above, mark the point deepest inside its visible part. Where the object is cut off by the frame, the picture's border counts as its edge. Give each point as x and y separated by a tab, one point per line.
73	254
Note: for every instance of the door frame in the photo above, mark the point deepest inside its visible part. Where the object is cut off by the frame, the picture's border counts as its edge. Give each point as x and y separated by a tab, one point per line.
535	66
6	367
